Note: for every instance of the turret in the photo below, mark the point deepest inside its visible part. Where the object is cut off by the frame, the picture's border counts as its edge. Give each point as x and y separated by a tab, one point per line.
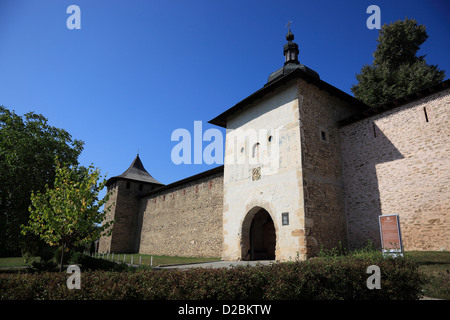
125	190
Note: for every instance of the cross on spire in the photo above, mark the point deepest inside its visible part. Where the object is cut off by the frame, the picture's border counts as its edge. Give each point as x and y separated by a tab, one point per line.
288	25
289	35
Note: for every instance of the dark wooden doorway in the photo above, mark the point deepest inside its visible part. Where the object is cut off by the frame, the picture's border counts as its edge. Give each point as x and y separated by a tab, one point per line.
261	237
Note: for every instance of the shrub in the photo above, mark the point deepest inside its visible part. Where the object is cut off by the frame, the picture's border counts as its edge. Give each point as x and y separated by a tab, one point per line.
333	252
314	279
45	261
41	265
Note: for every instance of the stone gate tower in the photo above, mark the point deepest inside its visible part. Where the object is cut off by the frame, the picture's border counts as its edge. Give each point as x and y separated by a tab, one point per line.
283	186
124	201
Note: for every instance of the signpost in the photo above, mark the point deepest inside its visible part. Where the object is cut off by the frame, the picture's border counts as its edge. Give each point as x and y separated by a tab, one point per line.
391	238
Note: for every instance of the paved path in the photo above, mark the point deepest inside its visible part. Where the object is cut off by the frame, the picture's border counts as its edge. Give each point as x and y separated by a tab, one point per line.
216	264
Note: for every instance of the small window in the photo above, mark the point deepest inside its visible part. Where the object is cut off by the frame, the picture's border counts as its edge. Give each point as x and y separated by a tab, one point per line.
323	135
270	138
285	218
255	152
127	185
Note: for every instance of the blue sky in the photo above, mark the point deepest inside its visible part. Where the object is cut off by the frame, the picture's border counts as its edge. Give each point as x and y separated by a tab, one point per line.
137	70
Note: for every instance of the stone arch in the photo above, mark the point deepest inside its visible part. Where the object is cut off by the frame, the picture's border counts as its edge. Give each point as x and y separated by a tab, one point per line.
258	235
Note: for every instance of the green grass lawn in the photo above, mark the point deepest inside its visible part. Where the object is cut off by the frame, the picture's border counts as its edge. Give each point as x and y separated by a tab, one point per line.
146	259
15	262
436	265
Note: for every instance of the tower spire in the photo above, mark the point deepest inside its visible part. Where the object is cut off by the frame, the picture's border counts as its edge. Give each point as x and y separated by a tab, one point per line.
291	48
291	63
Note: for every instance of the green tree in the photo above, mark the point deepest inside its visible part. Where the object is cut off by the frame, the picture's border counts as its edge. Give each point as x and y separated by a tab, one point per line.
396	70
28	145
69	214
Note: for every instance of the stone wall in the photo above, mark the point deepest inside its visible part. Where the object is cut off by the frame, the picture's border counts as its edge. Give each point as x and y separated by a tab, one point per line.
105	242
397	162
183	220
124	204
323	183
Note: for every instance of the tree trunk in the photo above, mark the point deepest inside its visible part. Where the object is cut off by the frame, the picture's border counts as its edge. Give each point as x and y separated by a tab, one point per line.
62	255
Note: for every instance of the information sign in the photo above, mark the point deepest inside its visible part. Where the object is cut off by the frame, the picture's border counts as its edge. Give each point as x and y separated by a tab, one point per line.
391	239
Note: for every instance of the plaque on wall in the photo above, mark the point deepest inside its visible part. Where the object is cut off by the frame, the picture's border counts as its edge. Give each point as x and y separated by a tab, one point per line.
391	238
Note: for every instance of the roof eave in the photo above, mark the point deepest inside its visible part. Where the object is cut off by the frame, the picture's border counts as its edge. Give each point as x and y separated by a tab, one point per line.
221	120
396	103
181	182
113	179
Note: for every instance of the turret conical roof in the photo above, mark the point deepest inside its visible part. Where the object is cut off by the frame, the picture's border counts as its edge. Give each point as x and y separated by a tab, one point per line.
136	172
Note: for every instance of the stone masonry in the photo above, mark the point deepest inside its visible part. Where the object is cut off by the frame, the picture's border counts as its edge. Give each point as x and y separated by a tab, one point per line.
398	162
323	185
124	204
183	220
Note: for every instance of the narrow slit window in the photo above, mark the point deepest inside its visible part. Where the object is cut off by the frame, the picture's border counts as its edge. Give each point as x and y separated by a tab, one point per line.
374	130
323	135
255	152
426	114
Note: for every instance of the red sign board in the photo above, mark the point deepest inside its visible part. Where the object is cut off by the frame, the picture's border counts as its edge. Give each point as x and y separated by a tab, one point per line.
391	239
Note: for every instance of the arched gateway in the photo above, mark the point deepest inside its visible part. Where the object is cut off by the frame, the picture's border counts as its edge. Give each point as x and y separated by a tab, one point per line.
258	238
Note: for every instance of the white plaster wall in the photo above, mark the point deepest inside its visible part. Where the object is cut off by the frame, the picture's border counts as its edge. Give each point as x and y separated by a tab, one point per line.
280	187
